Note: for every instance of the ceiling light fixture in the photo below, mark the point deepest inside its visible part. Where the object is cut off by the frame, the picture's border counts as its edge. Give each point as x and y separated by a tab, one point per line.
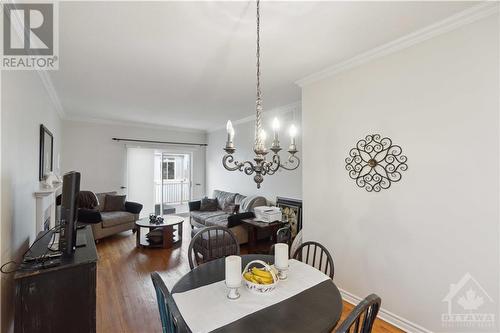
260	166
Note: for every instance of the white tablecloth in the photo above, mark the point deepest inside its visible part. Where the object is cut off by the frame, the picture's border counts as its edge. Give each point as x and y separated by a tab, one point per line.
207	308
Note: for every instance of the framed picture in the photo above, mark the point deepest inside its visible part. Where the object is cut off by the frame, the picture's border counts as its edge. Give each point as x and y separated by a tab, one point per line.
46	152
292	213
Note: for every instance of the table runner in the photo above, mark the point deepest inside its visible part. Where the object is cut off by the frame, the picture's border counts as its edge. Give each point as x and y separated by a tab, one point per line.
207	308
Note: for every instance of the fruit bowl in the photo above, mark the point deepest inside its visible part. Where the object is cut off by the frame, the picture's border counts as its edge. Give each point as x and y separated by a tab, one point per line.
260	280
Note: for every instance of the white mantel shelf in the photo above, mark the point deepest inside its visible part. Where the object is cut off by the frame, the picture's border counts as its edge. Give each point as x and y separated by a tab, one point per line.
45	191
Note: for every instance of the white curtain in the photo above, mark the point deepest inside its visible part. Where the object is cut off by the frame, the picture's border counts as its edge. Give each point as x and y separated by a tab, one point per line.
140	178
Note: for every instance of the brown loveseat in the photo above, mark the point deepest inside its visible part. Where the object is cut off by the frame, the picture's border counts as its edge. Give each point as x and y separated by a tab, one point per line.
113	222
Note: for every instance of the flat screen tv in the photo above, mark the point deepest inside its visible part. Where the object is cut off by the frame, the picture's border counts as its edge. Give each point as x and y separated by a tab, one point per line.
71	187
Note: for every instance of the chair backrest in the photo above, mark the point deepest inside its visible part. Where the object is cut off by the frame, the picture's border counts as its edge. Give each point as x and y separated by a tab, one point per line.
362	317
283	235
212	243
316	255
171	319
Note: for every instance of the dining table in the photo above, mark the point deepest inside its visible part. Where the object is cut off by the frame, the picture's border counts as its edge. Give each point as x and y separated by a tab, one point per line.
201	298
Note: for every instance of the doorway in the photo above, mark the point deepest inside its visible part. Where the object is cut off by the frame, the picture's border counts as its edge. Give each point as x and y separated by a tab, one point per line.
160	180
173	185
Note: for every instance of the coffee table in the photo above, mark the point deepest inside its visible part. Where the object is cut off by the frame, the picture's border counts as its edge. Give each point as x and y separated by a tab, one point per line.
253	226
170	234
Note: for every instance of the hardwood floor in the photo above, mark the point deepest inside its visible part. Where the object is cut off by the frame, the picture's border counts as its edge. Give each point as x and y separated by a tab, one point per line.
126	302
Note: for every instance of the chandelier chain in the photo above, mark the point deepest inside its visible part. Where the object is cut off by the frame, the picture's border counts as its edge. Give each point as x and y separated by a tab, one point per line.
258	104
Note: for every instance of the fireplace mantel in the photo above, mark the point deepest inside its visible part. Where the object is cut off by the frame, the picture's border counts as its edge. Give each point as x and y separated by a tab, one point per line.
46	206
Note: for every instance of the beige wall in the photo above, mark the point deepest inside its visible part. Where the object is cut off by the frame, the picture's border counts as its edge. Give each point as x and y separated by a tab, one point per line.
439	100
25	105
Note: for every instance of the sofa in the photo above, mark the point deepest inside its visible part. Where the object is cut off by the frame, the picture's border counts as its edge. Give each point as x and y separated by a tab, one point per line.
224	215
113	222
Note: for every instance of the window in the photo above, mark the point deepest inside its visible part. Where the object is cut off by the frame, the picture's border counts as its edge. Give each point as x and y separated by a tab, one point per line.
168	169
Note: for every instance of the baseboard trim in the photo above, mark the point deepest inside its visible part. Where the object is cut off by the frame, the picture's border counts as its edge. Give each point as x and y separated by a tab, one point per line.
387	316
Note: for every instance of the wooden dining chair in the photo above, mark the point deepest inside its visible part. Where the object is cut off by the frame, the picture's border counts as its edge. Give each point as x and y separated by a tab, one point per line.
362	317
316	255
212	243
283	235
171	319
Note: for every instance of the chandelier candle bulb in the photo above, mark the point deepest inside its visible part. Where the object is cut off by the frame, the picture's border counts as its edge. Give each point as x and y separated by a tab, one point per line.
276	128
263	137
230	131
233	276
293	133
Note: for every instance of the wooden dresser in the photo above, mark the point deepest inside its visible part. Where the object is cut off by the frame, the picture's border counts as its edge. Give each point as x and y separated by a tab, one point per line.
61	298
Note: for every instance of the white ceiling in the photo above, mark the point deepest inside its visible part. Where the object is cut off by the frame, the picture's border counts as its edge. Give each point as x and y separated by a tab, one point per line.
192	64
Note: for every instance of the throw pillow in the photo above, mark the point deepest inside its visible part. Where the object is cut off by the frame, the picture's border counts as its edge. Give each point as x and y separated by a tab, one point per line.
208	205
101	198
230	209
114	203
238	199
224	198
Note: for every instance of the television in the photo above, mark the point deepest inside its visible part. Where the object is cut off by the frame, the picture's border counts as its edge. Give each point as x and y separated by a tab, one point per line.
70	189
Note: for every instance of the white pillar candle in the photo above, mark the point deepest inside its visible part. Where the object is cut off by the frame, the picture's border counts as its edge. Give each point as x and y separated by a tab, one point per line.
233	271
281	255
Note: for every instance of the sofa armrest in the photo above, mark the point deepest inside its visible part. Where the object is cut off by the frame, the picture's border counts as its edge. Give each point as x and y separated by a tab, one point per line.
89	216
235	219
194	205
133	207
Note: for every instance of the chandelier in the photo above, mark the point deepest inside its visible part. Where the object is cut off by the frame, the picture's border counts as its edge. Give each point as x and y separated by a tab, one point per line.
260	166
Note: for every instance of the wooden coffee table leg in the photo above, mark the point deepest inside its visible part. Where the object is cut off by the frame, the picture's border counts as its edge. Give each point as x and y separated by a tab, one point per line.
252	238
168	236
179	229
138	237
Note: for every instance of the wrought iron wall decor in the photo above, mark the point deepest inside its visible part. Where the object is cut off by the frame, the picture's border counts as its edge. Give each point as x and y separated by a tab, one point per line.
375	163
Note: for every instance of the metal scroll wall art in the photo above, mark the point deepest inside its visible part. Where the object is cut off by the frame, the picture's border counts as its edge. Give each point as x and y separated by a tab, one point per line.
375	163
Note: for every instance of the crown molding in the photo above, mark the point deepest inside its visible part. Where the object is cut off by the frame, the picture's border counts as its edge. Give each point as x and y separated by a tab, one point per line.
51	91
392	318
103	121
280	110
467	16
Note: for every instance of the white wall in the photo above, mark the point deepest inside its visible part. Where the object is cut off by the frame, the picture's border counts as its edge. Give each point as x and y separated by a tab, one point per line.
439	100
283	183
88	148
25	105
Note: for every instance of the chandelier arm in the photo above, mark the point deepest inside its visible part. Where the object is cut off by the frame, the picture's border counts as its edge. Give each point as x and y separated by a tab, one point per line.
229	159
292	159
274	164
249	169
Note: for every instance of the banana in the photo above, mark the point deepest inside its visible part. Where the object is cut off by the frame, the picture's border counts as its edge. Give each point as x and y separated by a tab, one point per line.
250	276
262	273
264	280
